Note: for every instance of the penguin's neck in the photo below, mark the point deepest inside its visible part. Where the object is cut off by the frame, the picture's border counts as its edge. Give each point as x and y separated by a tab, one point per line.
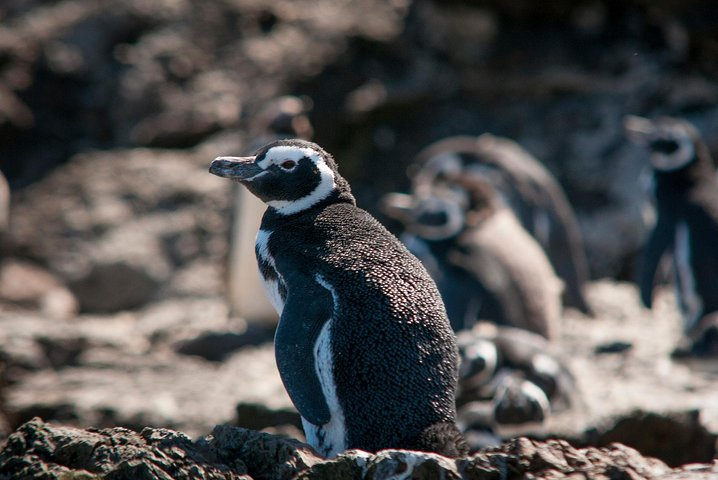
273	219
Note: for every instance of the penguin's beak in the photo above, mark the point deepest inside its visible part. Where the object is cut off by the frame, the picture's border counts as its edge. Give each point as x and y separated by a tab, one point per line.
238	168
639	130
397	206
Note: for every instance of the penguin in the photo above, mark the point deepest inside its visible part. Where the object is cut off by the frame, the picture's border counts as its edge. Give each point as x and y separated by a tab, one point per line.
363	345
484	262
526	186
511	382
489	353
685	190
4	204
282	117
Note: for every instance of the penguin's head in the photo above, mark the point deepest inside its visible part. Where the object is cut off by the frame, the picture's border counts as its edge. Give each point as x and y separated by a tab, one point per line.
430	215
479	358
288	175
519	401
671	141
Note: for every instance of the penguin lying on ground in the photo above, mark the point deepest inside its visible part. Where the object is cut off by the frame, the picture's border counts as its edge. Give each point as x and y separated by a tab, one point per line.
510	382
364	346
686	197
526	186
485	264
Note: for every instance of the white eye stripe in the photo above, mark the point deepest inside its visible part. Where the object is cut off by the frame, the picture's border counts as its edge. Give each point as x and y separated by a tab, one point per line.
325	187
675	160
280	154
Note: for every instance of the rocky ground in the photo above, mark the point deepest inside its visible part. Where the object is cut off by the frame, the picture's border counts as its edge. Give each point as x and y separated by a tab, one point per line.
113	265
235	453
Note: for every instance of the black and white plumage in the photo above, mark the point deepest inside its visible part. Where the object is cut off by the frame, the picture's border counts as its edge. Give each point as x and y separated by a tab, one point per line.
511	382
363	345
526	186
486	265
489	353
685	189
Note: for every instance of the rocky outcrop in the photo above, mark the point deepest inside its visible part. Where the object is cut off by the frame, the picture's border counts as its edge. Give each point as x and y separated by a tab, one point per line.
39	450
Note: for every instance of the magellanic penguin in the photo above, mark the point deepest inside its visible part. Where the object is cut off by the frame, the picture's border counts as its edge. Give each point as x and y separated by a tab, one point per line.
526	186
511	382
484	262
487	352
363	346
686	197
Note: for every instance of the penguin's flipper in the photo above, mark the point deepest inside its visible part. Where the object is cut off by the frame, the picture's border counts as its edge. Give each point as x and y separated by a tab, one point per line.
305	313
660	240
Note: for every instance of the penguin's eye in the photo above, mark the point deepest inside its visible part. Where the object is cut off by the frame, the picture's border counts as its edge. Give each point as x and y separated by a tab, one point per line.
664	146
288	164
433	217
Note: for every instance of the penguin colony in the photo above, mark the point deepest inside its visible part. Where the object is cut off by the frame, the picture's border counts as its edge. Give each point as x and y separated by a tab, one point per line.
319	255
363	346
685	190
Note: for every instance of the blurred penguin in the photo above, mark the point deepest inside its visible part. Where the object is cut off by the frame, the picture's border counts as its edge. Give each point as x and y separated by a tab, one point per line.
485	264
526	187
283	117
510	382
4	203
685	189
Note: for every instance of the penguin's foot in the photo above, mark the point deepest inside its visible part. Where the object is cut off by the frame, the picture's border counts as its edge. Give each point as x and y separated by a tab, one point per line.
703	343
444	439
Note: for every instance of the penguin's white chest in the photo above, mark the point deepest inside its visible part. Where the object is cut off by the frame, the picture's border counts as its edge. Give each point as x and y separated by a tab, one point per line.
328	439
271	279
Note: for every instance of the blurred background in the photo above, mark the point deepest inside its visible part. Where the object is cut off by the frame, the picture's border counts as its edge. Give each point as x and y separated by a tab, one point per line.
114	259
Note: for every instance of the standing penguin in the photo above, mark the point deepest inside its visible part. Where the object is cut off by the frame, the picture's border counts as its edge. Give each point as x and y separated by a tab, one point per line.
526	186
283	117
363	345
686	193
486	265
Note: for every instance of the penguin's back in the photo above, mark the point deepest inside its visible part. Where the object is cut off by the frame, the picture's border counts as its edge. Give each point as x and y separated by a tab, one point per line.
394	352
511	265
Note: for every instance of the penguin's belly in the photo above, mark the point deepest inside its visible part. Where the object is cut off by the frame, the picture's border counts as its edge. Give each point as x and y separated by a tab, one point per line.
272	281
688	298
328	439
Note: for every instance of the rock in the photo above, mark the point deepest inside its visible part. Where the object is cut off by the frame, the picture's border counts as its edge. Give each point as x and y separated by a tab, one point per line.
257	416
217	346
556	457
613	347
39	450
677	437
114	287
155	219
27	285
265	456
